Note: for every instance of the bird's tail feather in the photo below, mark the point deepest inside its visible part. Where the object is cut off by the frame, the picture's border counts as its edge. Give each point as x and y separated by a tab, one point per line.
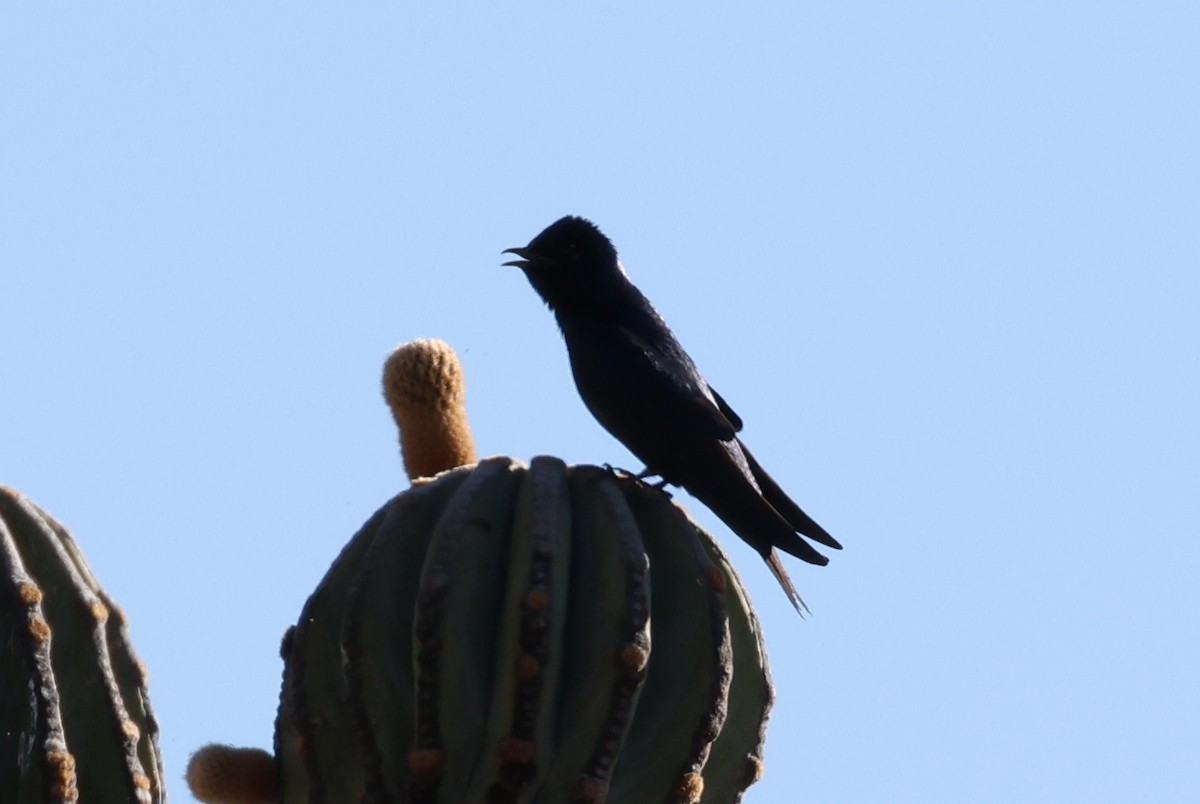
776	565
787	509
753	519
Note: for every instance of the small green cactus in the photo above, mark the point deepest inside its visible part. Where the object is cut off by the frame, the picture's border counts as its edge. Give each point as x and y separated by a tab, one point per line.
75	711
541	634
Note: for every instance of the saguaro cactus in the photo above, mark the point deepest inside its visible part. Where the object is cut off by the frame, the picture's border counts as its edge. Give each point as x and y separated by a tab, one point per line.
76	715
541	634
511	633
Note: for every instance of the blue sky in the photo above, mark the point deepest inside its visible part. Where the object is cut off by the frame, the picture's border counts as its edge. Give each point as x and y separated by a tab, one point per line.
942	258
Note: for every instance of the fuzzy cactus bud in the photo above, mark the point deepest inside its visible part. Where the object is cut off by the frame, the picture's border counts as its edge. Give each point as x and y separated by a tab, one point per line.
424	386
223	774
77	724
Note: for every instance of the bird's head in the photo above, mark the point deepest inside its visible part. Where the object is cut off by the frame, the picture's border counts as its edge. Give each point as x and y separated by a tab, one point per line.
571	265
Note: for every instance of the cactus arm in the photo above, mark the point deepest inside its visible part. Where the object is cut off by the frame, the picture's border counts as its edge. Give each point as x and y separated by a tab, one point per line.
92	691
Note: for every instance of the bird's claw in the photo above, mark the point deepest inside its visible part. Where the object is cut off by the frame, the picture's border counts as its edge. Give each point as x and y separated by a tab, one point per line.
622	474
660	484
625	474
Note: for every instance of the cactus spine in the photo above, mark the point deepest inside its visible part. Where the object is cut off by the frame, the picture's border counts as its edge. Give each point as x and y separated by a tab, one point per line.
76	713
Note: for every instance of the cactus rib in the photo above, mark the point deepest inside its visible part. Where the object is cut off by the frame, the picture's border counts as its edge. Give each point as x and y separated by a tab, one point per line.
94	734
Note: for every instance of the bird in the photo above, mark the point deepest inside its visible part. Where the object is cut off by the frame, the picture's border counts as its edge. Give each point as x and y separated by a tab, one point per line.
641	386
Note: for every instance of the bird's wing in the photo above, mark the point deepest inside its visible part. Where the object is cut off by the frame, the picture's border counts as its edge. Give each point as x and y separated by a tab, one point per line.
681	388
726	411
716	423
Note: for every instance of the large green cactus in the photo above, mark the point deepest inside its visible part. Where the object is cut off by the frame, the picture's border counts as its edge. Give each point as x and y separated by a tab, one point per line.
76	716
540	634
502	633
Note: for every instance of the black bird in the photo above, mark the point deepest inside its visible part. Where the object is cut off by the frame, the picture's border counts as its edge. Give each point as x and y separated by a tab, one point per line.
643	388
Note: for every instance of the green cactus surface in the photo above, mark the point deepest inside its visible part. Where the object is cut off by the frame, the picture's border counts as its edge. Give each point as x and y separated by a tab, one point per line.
75	711
503	633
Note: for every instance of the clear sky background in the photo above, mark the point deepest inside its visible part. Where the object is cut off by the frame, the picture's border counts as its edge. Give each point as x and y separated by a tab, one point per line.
943	258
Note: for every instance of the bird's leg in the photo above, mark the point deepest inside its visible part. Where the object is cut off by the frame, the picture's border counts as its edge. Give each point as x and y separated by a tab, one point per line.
661	485
625	474
621	474
648	472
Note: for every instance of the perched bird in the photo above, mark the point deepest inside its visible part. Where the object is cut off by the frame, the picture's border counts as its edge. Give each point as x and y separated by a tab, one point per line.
644	389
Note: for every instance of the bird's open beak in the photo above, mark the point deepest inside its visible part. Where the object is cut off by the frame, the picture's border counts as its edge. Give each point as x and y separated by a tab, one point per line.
524	253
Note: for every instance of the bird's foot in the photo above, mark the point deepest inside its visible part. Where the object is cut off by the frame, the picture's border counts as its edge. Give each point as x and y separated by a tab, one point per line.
625	474
658	485
619	473
648	472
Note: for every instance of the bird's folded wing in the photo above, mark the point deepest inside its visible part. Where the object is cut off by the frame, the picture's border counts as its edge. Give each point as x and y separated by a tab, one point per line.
679	385
726	411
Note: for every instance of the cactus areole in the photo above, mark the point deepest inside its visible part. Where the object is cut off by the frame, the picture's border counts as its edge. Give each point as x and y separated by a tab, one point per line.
504	633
